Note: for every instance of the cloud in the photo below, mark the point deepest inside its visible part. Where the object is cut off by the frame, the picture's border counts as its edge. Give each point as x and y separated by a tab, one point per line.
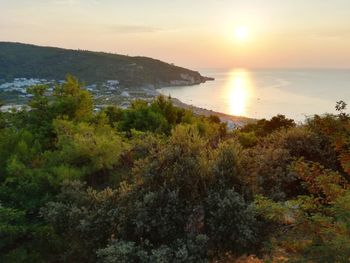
332	34
67	2
75	2
133	29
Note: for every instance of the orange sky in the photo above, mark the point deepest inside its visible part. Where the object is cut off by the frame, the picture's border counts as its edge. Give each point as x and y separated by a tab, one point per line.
191	33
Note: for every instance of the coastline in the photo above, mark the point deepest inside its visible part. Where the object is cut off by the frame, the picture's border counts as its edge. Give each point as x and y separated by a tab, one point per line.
106	97
231	120
237	121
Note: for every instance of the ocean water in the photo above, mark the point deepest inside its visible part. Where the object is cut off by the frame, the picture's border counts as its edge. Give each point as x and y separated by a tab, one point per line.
296	93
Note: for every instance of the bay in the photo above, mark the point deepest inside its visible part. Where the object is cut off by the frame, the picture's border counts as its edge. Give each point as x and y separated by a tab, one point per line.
263	93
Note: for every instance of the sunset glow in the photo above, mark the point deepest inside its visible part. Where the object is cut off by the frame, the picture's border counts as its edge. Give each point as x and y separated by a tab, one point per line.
239	90
174	131
224	34
241	33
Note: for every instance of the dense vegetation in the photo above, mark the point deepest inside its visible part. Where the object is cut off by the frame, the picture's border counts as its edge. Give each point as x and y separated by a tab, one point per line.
29	61
154	183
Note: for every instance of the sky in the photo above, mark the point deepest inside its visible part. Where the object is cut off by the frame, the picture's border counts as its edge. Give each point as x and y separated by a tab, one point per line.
190	33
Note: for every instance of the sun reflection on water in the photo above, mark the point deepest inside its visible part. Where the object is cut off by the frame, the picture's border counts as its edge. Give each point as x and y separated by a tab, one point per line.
239	90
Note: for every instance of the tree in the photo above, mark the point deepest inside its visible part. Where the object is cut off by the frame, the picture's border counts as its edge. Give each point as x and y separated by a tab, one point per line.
229	223
72	101
142	117
39	100
341	107
315	226
264	127
92	149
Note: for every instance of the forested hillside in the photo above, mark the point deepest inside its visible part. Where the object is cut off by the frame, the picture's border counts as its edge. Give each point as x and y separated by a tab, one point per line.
29	61
154	183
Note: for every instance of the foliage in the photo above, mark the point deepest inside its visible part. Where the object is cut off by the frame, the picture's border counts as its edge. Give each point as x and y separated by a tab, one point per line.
267	164
71	101
192	249
230	223
319	221
155	183
91	148
264	127
160	116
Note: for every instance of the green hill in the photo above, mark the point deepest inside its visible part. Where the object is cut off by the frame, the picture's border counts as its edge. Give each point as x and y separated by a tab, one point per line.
29	61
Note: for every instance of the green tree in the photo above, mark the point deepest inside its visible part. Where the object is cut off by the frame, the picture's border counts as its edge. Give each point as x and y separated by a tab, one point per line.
72	101
230	223
264	127
92	150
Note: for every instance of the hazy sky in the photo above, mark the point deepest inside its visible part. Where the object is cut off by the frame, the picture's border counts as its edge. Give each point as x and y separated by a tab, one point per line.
191	33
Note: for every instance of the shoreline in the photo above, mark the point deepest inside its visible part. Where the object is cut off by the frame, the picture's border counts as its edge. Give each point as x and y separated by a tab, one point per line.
231	120
147	93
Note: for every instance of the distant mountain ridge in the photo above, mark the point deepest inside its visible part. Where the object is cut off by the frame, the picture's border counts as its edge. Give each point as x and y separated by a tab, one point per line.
31	61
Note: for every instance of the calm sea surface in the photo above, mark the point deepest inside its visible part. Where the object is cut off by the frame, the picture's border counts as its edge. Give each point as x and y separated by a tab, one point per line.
265	93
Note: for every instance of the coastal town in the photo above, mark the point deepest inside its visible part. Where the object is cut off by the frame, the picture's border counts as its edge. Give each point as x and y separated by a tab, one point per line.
15	95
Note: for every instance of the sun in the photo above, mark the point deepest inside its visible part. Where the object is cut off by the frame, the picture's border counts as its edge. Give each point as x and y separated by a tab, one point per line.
241	33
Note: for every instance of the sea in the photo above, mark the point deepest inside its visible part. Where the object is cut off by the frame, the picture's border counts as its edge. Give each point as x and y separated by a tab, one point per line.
264	93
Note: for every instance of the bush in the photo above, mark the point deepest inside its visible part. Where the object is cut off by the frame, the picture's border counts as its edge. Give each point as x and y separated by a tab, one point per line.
230	223
189	250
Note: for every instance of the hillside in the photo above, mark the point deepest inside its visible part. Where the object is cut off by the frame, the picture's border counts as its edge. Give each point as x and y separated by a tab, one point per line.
29	61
